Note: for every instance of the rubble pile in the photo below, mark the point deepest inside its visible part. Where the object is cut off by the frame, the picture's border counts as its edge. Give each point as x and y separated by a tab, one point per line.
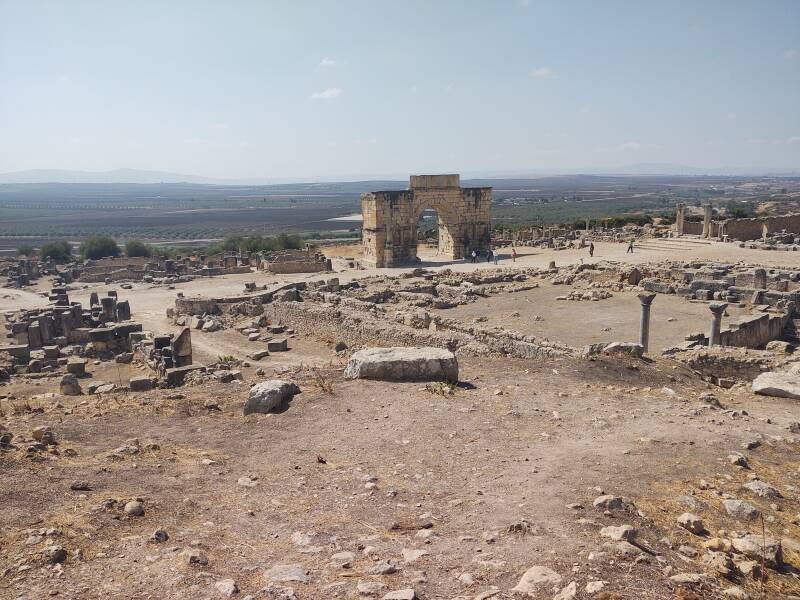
48	339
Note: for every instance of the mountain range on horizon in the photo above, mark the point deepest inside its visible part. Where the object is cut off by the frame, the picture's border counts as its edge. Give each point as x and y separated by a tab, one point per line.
139	176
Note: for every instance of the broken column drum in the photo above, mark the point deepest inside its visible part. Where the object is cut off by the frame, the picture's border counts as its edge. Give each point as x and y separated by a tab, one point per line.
644	327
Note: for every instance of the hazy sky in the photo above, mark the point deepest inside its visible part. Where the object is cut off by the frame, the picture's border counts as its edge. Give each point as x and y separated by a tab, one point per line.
242	88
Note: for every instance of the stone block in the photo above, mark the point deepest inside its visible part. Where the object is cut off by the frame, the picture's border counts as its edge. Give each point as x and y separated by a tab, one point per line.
782	385
403	364
176	375
278	345
140	384
76	366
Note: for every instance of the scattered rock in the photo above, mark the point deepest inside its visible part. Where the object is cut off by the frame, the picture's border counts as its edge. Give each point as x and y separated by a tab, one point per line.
55	554
762	489
739	509
736	593
134	508
293	572
594	586
159	536
567	593
535	578
753	547
609	502
227	587
266	395
385	567
689	578
69	385
405	594
620	533
739	460
370	588
691	522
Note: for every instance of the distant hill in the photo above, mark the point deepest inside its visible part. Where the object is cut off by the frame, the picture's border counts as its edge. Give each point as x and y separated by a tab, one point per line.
115	176
136	176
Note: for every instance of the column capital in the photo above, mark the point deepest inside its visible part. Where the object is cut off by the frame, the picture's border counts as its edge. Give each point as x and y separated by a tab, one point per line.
718	308
646	298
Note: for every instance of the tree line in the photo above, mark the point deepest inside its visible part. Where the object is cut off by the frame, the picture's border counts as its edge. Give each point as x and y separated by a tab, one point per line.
101	246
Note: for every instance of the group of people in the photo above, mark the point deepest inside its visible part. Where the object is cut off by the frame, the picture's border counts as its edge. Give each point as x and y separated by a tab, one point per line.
491	255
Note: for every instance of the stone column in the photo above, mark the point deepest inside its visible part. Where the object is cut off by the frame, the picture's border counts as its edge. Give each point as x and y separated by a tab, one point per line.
717	309
587	226
707	220
679	219
760	279
644	328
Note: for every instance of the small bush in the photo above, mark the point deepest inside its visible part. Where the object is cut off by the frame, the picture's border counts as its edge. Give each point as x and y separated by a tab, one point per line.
137	248
99	246
25	250
59	251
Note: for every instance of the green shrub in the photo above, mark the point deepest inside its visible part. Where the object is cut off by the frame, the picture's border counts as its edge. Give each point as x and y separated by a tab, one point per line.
99	246
25	250
137	248
59	251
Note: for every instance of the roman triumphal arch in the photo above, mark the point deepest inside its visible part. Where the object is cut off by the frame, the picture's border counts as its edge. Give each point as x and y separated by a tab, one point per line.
391	220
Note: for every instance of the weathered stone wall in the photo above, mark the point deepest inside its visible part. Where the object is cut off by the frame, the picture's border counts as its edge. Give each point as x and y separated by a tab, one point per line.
358	326
294	261
693	228
753	229
391	219
99	276
755	331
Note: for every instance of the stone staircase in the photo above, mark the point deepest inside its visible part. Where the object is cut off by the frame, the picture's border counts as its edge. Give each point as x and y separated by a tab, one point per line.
681	243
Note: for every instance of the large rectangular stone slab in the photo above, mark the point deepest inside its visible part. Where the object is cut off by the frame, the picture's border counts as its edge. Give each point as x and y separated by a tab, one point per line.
403	364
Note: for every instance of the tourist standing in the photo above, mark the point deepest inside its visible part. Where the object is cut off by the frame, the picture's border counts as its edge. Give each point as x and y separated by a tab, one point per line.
630	247
591	249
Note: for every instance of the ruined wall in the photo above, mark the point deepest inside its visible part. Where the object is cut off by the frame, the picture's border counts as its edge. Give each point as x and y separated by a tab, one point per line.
693	228
391	219
357	326
753	229
294	261
100	276
755	331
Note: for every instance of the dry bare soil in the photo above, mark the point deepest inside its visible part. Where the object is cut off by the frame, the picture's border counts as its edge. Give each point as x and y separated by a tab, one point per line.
476	482
364	488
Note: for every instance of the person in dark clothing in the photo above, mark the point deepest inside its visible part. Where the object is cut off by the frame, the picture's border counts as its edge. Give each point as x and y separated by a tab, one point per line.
591	249
630	247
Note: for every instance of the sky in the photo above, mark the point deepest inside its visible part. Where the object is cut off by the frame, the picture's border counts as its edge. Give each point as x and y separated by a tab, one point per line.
294	88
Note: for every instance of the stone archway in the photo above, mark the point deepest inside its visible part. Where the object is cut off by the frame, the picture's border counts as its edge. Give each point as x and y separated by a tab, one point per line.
391	220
